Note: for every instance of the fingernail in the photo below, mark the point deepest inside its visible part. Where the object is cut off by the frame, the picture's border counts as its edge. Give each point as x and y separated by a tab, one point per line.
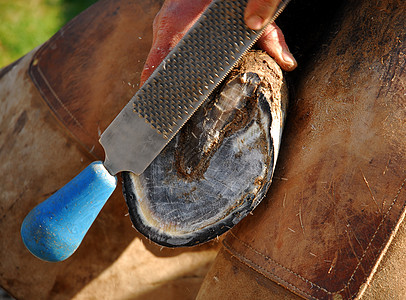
288	58
255	22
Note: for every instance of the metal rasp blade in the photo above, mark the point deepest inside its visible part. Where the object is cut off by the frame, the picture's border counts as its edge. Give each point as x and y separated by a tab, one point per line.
179	85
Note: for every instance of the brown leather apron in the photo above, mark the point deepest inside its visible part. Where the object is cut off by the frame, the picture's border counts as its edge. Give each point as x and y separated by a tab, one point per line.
332	225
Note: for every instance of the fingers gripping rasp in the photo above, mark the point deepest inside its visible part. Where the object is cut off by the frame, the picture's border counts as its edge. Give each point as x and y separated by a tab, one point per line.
55	228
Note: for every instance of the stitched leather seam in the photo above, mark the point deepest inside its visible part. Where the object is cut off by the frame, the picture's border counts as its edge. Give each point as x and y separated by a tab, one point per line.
57	36
376	232
267	273
308	281
276	263
57	98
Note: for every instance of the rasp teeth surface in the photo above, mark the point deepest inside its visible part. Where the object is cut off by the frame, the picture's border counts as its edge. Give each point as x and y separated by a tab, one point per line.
195	67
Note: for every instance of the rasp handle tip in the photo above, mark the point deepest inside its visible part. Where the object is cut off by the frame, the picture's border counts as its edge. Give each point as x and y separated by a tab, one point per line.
54	229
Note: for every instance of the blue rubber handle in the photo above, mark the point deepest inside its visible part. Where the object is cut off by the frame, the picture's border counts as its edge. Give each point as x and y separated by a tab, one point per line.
54	229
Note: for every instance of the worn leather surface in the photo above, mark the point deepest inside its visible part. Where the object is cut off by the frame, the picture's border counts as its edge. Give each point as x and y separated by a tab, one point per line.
91	68
88	71
229	279
339	191
389	280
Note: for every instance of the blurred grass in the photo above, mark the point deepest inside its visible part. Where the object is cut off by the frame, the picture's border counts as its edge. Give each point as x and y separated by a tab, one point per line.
25	24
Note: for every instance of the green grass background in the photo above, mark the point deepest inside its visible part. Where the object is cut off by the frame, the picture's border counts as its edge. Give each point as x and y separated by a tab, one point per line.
25	24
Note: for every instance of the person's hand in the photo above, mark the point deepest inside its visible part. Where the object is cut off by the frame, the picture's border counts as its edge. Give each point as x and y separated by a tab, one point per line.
177	16
258	13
